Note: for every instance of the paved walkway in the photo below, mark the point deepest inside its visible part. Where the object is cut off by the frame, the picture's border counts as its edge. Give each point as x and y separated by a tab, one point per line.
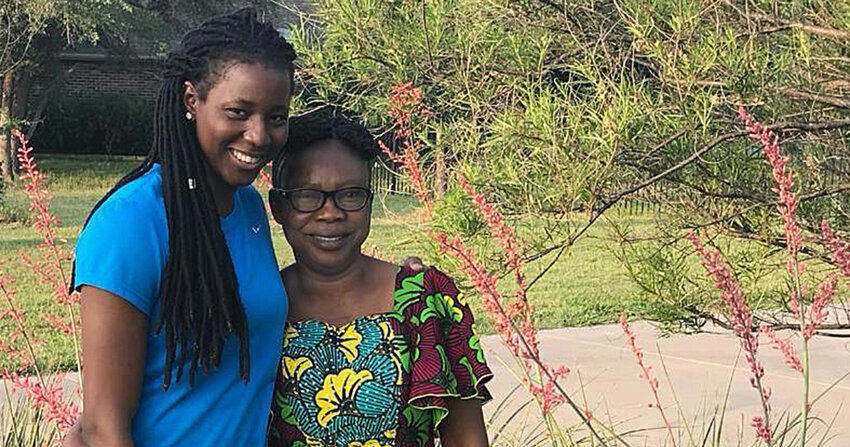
605	376
698	367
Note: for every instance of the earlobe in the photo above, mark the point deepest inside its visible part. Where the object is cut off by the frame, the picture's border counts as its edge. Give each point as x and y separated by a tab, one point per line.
190	97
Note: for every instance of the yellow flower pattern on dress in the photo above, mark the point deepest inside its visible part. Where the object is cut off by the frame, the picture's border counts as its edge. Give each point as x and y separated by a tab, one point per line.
456	312
387	336
461	299
348	340
369	443
337	394
293	368
290	334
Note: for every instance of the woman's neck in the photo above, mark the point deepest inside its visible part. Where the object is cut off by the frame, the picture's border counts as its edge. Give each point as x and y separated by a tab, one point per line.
222	193
317	284
365	288
223	196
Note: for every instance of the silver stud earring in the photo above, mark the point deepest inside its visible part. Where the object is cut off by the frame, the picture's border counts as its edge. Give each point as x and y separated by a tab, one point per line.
189	116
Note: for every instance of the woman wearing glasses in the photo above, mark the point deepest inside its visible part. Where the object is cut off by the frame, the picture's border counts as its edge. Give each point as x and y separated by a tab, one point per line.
374	354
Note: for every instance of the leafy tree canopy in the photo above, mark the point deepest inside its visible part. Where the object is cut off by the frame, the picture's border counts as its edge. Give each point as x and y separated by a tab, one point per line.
557	110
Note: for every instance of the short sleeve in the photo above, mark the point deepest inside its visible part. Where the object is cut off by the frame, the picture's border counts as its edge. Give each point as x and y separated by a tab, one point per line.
448	358
463	345
122	250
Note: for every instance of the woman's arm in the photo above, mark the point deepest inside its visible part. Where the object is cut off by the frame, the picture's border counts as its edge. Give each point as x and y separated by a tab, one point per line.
464	425
114	344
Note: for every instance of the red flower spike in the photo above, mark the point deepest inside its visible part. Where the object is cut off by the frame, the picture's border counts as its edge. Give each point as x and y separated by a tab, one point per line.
818	311
645	374
740	317
783	346
784	178
43	394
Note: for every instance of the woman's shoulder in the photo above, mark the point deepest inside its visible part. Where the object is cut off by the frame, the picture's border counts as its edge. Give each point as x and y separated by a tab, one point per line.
123	246
429	280
133	209
140	196
416	291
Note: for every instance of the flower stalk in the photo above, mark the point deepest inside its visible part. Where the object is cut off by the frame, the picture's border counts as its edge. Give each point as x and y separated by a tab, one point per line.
512	320
41	392
646	374
742	324
51	272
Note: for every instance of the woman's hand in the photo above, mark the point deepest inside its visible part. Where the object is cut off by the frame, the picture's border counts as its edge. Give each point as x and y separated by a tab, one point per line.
464	425
114	345
74	437
414	263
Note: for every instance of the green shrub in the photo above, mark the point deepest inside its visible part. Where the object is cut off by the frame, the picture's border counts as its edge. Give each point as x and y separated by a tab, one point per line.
108	124
555	110
9	210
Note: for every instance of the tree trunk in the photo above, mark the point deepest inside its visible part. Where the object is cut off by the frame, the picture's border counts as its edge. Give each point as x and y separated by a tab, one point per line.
19	110
6	157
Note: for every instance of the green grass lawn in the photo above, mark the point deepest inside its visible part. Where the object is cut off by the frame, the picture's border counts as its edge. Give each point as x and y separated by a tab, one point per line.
586	286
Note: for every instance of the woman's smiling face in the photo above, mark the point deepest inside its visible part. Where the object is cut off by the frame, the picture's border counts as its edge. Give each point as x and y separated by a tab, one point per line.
329	239
241	122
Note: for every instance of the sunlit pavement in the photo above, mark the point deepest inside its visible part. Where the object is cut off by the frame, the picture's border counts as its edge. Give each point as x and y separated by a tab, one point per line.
606	379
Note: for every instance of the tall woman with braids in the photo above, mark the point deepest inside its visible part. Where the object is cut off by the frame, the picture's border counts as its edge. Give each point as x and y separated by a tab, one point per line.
182	303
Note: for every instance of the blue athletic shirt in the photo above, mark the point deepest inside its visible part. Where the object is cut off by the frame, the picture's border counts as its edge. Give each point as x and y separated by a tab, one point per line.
123	250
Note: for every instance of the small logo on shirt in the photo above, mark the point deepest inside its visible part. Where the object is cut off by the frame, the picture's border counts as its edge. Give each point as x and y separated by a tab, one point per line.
256	229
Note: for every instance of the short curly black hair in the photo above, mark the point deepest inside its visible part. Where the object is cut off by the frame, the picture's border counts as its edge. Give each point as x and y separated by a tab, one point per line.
305	130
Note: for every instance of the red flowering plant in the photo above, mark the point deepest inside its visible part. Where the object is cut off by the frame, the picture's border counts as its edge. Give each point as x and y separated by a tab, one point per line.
512	314
809	307
41	391
646	375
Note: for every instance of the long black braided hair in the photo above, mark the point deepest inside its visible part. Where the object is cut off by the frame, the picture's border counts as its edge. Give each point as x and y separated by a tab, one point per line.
199	295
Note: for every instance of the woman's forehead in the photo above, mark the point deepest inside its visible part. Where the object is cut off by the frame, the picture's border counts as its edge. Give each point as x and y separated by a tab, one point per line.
254	83
326	161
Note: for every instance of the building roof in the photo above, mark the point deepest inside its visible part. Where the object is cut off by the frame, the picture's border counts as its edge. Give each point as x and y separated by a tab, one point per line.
144	46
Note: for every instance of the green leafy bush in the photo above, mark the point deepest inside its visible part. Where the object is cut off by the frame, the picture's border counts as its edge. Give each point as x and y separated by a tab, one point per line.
9	210
555	111
108	124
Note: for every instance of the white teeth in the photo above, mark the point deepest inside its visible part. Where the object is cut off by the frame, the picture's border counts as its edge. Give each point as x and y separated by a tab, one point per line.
328	238
245	158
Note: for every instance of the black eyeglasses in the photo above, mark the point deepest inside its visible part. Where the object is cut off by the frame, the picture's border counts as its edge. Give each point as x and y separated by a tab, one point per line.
307	200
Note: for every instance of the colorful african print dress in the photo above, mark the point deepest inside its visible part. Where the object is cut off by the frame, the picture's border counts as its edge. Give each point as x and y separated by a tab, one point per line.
382	380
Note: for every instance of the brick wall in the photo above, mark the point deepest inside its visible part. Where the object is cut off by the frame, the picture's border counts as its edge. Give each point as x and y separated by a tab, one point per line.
138	79
95	73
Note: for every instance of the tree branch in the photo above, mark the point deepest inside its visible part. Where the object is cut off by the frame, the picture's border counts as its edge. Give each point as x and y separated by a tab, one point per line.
837	101
780	24
788	326
598	212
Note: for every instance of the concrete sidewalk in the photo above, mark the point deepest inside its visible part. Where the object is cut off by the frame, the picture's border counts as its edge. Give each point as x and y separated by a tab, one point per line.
699	367
606	380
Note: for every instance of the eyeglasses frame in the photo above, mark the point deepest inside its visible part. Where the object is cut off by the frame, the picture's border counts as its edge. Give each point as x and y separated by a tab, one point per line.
287	194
